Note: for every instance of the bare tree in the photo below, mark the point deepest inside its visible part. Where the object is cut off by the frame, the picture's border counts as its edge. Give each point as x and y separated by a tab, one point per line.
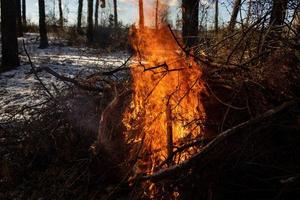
61	15
278	12
10	57
42	25
19	18
217	16
141	14
190	21
235	11
24	13
79	16
90	29
115	14
96	13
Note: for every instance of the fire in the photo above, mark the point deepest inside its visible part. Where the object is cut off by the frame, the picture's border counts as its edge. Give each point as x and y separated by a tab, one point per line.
166	110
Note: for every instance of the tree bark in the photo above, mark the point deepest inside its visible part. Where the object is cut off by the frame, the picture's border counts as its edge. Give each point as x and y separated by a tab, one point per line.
90	29
61	15
24	13
10	57
79	16
296	23
115	14
19	18
278	12
190	21
235	11
42	25
216	16
96	13
141	14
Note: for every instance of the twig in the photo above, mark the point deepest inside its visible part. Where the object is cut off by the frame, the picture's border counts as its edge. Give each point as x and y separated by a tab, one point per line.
70	80
222	102
35	72
121	68
215	142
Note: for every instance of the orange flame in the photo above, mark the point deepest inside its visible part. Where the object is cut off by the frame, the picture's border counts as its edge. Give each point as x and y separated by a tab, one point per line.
166	110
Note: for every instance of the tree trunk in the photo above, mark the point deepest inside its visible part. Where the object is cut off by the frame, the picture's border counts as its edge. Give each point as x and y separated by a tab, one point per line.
217	16
249	14
190	12
90	29
96	13
115	14
235	11
79	16
10	57
278	12
141	14
296	23
61	16
19	18
42	25
24	13
156	14
103	3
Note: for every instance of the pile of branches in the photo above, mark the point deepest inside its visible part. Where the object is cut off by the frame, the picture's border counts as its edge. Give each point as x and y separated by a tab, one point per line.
252	111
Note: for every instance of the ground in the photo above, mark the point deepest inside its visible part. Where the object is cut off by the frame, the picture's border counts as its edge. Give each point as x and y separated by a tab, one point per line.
18	86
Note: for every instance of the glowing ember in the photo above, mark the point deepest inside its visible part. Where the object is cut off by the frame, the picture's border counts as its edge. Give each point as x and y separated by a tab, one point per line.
166	110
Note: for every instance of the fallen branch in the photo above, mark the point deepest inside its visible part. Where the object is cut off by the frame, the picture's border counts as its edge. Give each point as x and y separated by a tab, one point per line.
121	68
70	80
36	74
215	142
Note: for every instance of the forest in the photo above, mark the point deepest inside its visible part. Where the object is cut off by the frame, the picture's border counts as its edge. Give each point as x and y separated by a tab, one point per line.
150	99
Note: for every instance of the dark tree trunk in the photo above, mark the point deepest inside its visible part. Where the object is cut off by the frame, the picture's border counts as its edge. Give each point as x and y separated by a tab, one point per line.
235	11
249	14
115	14
96	13
141	14
156	14
278	12
10	57
90	29
79	16
42	25
217	16
296	23
24	13
190	12
19	18
103	3
61	15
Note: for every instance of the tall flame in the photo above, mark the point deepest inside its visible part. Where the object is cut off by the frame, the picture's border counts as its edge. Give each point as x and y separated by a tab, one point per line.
166	109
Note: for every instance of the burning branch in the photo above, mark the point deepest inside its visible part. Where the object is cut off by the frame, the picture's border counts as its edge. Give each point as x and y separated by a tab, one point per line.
169	133
269	115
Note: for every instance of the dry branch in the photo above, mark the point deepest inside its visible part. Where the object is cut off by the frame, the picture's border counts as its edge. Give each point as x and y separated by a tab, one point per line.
70	80
35	72
165	173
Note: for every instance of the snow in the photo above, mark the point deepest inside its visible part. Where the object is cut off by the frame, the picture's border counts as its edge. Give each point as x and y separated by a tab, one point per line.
18	86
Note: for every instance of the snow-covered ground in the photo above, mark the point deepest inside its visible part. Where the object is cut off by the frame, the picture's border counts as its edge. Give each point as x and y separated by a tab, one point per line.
18	86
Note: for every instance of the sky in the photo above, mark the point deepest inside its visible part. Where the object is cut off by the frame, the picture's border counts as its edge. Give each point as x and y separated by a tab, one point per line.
127	10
